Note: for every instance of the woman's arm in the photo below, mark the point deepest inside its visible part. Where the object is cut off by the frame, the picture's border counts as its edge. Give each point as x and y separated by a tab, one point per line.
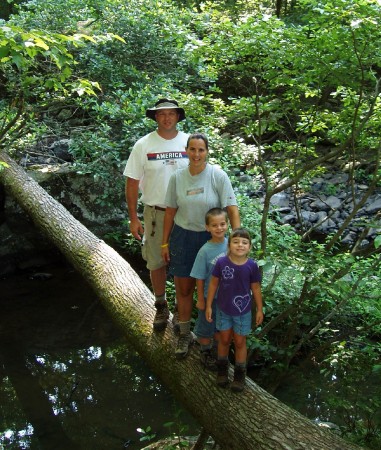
200	294
169	217
233	214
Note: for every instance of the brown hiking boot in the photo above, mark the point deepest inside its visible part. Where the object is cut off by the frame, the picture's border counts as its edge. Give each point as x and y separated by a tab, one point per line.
222	372
238	383
183	343
161	317
207	360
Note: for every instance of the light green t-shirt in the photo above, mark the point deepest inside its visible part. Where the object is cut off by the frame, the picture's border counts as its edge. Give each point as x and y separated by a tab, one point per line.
193	196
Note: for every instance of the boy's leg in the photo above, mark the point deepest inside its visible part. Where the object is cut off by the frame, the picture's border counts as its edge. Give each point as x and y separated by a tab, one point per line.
204	331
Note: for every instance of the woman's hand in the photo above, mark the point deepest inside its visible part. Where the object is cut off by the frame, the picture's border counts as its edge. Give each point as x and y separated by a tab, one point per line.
165	253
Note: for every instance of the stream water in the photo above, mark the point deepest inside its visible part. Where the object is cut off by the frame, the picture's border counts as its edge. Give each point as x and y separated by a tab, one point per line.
67	378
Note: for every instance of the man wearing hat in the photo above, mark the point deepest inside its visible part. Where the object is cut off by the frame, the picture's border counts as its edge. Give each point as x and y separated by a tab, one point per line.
150	165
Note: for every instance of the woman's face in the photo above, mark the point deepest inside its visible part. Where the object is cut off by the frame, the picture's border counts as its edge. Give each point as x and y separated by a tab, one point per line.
197	153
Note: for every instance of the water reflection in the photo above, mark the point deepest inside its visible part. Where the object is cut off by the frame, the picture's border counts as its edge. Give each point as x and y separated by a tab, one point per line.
67	376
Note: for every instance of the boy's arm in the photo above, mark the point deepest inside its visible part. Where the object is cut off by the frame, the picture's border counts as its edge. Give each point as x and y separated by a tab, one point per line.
212	289
257	294
200	294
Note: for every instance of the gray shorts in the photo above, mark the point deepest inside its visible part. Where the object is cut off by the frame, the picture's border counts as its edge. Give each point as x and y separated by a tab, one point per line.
152	239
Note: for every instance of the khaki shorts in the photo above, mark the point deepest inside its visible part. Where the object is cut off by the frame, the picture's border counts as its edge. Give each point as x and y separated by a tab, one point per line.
152	239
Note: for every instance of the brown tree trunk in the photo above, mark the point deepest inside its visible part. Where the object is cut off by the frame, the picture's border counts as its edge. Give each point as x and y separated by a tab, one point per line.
250	420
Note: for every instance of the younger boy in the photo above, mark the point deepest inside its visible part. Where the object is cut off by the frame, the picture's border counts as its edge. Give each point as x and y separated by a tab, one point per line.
216	222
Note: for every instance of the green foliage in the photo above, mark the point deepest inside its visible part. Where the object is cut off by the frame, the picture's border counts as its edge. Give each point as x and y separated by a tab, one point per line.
177	430
147	434
349	370
28	58
3	165
124	240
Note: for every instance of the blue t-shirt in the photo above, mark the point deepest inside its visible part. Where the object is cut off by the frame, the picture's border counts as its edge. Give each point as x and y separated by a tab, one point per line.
234	295
206	259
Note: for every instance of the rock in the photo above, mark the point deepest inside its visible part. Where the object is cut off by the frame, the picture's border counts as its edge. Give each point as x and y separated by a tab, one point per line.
333	202
374	206
60	149
319	205
281	200
41	276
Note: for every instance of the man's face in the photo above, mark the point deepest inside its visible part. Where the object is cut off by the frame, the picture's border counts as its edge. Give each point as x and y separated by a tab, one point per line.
167	119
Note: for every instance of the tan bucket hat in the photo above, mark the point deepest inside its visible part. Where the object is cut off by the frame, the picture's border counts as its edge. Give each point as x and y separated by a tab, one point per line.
165	103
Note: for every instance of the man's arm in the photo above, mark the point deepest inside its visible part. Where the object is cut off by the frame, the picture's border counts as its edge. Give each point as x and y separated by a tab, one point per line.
132	195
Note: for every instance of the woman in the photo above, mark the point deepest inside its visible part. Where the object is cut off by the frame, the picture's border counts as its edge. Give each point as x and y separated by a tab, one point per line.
191	193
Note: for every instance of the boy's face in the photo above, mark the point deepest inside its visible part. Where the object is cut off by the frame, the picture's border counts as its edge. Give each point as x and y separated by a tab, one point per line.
217	226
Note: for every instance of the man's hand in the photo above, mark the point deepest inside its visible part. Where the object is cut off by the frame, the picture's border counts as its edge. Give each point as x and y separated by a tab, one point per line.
136	229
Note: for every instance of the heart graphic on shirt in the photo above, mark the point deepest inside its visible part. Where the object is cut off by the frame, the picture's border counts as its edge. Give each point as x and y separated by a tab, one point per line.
241	303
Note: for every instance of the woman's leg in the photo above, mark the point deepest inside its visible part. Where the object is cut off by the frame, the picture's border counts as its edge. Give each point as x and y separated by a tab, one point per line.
185	287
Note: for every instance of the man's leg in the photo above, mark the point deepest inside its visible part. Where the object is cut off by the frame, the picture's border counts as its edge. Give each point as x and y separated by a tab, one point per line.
185	287
158	278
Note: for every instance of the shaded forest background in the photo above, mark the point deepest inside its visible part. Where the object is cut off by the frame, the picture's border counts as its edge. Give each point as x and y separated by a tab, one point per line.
286	91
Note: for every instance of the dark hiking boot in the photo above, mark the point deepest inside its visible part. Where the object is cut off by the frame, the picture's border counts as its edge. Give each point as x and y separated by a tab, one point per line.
185	340
161	317
238	383
222	372
207	360
175	322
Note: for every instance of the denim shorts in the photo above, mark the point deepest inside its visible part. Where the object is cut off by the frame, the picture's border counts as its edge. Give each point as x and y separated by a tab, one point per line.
203	328
241	324
183	248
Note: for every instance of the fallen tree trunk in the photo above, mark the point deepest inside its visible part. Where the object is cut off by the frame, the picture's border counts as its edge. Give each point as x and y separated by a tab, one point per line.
251	420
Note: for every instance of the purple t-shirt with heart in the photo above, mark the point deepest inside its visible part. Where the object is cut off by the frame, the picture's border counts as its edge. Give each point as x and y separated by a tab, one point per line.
234	295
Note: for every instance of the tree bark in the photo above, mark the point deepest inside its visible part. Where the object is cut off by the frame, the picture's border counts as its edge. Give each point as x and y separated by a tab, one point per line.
250	420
